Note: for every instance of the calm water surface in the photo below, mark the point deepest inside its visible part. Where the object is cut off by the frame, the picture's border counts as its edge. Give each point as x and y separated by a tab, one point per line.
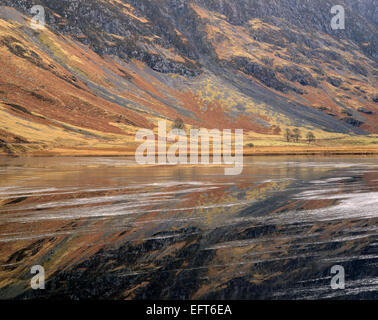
107	228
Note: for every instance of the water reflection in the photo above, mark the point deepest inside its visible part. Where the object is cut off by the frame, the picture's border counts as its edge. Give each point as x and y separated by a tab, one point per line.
107	228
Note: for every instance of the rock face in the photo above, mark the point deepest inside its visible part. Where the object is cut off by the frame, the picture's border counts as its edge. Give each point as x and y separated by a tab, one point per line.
264	52
93	22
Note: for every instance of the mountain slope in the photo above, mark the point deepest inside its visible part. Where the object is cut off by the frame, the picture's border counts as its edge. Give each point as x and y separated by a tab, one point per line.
103	69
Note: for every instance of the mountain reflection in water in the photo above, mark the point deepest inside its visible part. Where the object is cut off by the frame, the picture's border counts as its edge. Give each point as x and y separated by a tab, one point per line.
106	228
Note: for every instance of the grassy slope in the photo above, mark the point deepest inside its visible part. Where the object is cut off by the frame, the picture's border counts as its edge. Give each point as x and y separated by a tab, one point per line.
59	97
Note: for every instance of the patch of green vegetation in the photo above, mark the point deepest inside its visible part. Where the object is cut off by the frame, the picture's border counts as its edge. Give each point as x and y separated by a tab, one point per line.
46	41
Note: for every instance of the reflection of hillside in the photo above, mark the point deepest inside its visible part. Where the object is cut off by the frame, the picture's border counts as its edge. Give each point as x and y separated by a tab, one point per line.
117	226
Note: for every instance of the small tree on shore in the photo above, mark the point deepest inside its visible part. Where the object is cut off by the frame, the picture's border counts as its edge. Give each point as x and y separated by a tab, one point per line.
310	137
288	135
296	135
178	124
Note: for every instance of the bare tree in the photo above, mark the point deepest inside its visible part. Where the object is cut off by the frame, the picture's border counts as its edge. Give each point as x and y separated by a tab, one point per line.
310	137
296	134
288	135
178	124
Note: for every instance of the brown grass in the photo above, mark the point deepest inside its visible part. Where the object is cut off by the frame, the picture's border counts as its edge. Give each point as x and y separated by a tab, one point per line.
256	151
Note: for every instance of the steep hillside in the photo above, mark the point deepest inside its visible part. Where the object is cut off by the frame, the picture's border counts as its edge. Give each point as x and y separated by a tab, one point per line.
102	69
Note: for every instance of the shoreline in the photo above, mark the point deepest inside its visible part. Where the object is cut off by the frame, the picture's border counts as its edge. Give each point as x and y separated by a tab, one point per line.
248	152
